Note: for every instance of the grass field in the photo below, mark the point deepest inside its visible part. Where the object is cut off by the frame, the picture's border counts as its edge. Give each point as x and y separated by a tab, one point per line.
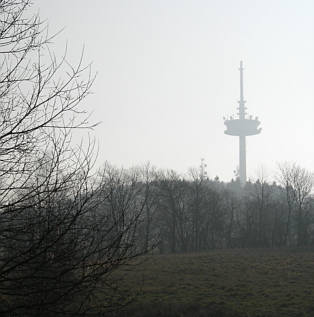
221	283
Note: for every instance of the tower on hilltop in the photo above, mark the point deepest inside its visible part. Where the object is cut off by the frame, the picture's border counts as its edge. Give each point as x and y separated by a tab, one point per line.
242	126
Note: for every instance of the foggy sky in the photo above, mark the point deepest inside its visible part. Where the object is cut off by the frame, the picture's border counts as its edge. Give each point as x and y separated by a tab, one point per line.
168	73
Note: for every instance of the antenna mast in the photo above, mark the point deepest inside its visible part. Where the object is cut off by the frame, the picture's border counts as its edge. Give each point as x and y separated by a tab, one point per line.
242	102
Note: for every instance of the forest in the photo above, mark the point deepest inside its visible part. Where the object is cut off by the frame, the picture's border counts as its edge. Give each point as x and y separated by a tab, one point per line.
196	214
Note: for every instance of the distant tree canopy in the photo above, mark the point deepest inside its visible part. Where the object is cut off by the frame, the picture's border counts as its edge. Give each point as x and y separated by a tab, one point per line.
195	214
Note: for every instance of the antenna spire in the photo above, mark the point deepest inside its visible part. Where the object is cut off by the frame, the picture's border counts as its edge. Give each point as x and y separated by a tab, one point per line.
242	107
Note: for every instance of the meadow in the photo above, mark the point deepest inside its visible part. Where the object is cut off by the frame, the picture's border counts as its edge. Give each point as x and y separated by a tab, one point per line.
240	282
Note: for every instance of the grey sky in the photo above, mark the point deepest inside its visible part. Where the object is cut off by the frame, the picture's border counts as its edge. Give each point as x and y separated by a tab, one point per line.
168	73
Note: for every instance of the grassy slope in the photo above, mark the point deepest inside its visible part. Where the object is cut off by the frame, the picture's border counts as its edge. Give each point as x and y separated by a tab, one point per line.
227	282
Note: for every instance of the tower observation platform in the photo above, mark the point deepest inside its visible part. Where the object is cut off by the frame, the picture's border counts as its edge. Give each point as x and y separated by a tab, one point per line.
242	126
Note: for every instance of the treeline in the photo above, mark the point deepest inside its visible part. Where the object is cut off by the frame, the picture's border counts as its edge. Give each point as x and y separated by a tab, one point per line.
193	213
69	229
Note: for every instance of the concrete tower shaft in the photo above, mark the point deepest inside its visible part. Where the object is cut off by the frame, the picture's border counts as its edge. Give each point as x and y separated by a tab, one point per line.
242	126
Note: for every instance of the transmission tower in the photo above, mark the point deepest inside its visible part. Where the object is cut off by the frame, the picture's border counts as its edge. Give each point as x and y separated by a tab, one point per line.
242	126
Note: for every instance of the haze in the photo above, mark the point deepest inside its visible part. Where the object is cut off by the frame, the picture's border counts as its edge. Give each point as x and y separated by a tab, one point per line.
168	73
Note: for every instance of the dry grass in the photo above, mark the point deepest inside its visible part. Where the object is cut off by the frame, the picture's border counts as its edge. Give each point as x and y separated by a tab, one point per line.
221	283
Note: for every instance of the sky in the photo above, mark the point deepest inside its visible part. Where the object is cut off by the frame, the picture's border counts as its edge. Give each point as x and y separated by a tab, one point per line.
167	74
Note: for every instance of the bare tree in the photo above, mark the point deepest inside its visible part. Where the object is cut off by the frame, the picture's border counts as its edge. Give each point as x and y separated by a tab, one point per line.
197	207
149	231
173	213
298	183
54	255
